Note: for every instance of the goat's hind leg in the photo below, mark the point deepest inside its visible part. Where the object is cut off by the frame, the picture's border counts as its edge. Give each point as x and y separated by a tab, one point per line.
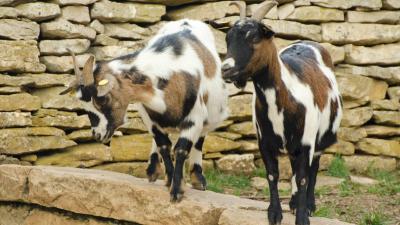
311	185
196	171
302	167
154	170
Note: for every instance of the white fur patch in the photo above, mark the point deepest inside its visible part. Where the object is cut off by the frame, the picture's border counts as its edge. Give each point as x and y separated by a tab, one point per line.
294	185
274	115
228	63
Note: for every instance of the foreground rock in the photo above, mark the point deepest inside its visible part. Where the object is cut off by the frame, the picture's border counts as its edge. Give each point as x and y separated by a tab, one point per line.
123	197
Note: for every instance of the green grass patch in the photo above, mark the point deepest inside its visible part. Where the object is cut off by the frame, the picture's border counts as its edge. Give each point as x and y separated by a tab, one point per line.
218	182
389	182
326	211
348	188
260	172
374	218
337	168
324	190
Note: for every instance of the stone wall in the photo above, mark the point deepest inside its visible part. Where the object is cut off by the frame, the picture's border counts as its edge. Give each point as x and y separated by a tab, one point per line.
40	127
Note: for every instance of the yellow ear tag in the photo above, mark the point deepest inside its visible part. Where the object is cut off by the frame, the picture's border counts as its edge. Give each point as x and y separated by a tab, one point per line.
103	82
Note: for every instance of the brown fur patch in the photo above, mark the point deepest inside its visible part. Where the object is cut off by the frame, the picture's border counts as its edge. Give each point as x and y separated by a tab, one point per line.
326	57
206	58
205	98
334	110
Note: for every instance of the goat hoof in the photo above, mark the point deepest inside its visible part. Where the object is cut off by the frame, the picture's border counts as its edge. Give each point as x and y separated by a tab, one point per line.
311	208
153	171
176	197
274	217
198	181
302	218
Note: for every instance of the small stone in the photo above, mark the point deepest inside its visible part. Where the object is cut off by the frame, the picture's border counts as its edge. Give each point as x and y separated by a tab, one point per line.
324	181
341	147
105	40
19	30
97	26
246	129
28	144
61	28
51	99
351	134
54	118
315	14
214	144
78	14
356	117
8	13
347	4
259	183
362	163
388	74
381	131
81	135
31	131
133	126
110	52
293	29
10	90
272	14
249	146
337	52
131	147
75	2
11	160
387	117
390	17
285	10
15	119
23	101
375	55
215	155
125	31
240	107
391	4
83	155
376	146
39	11
394	93
227	135
385	104
237	164
363	180
60	47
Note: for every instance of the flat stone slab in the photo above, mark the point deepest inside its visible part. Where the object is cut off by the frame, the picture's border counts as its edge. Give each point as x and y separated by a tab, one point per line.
123	197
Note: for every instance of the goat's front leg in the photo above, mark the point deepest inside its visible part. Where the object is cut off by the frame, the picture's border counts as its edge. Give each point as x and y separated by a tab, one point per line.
196	171
164	146
311	185
182	148
154	170
270	158
301	164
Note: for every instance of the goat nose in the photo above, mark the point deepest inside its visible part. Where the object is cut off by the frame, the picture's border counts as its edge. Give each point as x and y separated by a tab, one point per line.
226	67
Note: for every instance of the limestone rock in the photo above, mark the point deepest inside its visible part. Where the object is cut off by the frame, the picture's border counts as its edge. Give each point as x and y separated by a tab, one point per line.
240	107
131	147
360	34
285	10
15	119
39	11
11	160
378	55
394	93
390	17
351	104
362	180
219	41
10	90
75	2
215	155
20	56
8	13
328	181
346	4
28	144
387	117
285	170
237	164
78	14
83	155
59	47
36	80
385	104
342	147
245	128
107	11
356	117
81	135
104	192
133	125
376	146
23	101
391	4
63	64
259	183
360	88
272	14
337	52
61	28
389	74
97	26
249	146
362	163
325	161
14	2
351	134
19	29
110	52
51	99
137	169
316	14
207	11
227	135
54	118
31	131
293	29
214	144
302	3
125	31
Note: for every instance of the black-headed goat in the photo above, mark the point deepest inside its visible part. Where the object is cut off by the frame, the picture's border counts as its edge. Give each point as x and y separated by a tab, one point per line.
176	81
297	105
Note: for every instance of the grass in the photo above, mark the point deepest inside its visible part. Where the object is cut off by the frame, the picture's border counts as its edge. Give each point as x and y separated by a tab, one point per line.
374	218
260	172
326	211
348	188
219	182
338	168
389	183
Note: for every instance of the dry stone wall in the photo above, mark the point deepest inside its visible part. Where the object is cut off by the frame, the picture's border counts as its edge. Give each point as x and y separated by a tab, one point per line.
40	127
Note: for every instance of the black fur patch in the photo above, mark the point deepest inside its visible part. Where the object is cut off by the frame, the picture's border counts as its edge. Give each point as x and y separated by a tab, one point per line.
94	119
183	144
160	138
151	169
162	83
296	56
199	144
128	56
169	41
87	92
164	144
186	124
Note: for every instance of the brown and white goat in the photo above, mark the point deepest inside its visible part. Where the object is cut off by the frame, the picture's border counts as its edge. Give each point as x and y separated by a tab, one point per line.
296	105
176	81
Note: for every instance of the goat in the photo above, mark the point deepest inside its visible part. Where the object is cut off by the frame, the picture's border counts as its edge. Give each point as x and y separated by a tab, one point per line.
297	107
176	81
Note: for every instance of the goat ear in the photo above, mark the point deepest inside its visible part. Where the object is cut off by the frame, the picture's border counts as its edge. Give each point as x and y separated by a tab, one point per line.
105	85
267	31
